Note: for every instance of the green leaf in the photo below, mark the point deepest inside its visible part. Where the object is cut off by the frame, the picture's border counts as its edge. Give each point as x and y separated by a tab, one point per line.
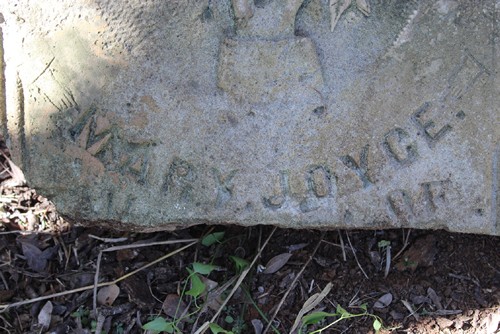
383	243
197	286
315	317
229	319
364	307
240	263
159	325
341	311
377	325
202	268
212	238
218	329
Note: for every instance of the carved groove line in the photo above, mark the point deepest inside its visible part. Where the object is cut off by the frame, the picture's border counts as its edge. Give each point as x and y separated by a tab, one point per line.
3	99
495	200
15	126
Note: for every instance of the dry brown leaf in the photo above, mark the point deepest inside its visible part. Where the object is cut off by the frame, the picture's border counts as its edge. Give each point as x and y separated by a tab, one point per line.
410	308
434	297
174	307
209	285
383	301
17	176
108	294
420	254
45	315
257	325
310	304
34	257
276	263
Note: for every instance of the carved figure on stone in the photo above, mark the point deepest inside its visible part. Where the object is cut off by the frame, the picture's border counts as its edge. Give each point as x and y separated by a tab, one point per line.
266	62
338	7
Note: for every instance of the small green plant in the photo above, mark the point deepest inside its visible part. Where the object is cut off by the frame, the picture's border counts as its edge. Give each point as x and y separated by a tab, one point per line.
197	289
216	329
240	263
341	314
197	286
160	324
212	238
383	243
83	314
118	328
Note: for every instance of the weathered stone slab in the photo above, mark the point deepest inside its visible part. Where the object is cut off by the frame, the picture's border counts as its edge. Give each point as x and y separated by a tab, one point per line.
331	114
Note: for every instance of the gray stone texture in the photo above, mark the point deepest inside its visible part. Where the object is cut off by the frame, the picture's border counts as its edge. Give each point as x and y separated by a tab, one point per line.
308	114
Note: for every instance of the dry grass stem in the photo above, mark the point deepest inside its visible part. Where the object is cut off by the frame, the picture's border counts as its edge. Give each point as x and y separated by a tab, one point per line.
4	307
245	272
387	261
412	312
343	247
115	248
406	238
292	285
107	240
355	256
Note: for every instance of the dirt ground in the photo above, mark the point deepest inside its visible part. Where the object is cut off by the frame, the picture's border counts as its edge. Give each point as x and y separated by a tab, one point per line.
230	279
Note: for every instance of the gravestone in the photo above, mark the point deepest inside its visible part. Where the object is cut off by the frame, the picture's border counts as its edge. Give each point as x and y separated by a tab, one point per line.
307	114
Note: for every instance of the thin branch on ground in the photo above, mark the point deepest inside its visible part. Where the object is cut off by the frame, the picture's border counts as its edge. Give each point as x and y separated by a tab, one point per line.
406	238
115	248
387	261
355	256
245	272
292	285
343	247
412	311
4	307
108	240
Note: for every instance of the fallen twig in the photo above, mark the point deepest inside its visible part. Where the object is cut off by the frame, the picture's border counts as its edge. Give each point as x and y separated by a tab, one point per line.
292	285
412	312
244	273
310	304
355	256
108	240
342	246
4	307
115	248
405	243
387	260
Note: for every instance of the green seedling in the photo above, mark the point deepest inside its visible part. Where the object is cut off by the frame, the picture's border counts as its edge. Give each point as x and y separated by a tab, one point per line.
197	286
161	325
216	329
82	314
119	328
202	268
212	238
341	314
240	263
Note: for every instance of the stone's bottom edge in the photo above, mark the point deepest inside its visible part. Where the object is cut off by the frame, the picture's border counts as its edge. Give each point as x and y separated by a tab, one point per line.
173	226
